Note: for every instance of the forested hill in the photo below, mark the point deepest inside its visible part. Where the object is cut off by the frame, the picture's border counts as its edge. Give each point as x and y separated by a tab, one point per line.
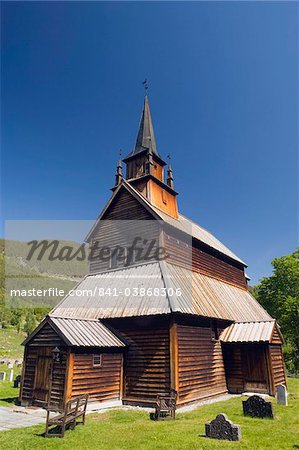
58	265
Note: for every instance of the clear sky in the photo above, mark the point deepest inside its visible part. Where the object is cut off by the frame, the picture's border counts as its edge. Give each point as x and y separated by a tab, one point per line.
224	100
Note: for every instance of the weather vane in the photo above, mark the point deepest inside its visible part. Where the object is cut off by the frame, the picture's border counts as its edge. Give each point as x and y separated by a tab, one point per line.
120	152
169	157
145	85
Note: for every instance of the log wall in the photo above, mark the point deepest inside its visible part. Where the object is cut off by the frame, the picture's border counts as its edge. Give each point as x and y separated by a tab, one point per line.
45	337
147	361
103	382
58	370
233	368
276	337
200	364
204	261
277	366
28	375
111	232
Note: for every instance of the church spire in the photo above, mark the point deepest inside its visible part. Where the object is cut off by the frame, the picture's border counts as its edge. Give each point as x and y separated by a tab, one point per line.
145	168
146	135
146	140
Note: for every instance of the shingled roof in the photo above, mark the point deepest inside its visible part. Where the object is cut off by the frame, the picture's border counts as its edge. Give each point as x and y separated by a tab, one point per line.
79	332
194	294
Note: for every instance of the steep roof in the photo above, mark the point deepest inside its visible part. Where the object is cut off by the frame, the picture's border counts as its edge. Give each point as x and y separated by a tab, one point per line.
193	293
146	137
182	223
80	332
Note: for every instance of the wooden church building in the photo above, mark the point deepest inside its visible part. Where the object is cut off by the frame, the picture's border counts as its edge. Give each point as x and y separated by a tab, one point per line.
166	306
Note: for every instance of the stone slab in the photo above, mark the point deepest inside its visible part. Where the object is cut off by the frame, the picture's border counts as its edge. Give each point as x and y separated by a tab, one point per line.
282	395
223	428
256	406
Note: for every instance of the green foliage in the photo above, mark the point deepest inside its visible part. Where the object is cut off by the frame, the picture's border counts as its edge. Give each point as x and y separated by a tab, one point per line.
30	322
279	295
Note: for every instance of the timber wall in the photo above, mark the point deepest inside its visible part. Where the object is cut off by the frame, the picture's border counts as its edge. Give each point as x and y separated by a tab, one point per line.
147	361
233	368
200	364
100	382
29	374
203	261
277	366
114	234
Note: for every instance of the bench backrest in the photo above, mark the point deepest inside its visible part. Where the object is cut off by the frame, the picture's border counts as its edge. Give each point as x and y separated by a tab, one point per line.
167	401
71	406
82	402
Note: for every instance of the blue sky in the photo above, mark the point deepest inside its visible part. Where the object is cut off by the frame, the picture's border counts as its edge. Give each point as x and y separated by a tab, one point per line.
224	100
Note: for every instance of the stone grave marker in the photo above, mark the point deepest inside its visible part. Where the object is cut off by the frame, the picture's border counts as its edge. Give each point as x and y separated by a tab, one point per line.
2	376
10	375
282	395
222	428
256	406
17	381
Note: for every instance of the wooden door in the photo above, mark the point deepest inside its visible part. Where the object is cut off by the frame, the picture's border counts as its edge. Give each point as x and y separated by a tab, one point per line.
255	368
42	377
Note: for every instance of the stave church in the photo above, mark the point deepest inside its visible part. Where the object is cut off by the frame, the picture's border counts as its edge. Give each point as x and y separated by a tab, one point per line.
167	306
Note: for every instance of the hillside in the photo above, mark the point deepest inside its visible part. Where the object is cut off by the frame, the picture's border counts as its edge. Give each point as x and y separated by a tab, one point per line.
25	270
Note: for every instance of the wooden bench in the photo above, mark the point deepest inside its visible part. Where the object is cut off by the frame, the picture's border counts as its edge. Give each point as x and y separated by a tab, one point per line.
74	410
165	406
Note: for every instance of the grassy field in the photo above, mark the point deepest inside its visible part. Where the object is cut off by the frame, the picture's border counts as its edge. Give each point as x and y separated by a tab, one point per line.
8	394
10	343
130	430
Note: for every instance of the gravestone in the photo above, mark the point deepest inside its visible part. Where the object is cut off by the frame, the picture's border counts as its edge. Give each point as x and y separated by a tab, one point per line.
282	395
10	365
256	406
10	375
2	376
222	428
17	381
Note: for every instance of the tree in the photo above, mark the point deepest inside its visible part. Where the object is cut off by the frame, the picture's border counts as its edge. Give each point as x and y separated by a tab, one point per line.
279	295
30	322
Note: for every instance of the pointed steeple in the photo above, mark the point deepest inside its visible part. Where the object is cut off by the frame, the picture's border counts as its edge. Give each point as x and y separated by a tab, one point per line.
146	140
145	168
146	135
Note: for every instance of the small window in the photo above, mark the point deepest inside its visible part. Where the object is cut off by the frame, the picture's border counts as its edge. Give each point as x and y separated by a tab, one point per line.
97	360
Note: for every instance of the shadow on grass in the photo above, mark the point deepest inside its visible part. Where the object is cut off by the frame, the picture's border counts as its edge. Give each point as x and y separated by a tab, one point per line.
55	431
13	400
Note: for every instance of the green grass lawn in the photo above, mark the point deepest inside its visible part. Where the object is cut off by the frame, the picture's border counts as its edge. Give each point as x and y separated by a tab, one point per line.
10	343
8	394
133	430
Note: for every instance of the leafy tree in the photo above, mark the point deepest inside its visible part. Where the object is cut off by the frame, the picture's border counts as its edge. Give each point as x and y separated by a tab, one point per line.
30	322
279	295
